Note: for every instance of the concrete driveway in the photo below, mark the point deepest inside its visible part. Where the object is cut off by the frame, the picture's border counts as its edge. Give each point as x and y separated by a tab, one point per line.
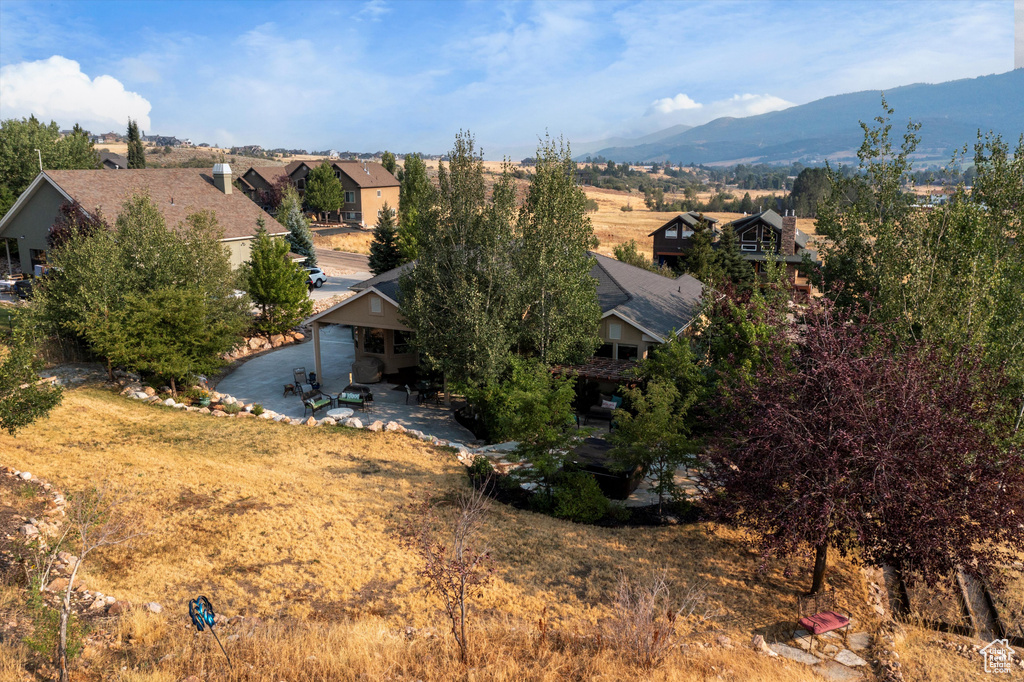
262	379
338	285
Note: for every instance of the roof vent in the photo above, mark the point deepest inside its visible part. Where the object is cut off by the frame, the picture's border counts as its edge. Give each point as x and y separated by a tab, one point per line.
222	177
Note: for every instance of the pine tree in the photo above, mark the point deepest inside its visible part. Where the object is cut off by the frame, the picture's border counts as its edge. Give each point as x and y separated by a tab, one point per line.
732	265
275	284
136	154
701	261
384	252
324	192
300	237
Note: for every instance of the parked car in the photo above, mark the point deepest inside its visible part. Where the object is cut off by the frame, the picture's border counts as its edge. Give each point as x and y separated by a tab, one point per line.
316	277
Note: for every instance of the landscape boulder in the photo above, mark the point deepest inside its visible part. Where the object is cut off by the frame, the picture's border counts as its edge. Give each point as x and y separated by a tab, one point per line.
353	422
376	426
394	427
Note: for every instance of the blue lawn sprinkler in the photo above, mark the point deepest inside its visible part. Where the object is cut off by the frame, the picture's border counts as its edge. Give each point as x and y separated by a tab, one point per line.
201	613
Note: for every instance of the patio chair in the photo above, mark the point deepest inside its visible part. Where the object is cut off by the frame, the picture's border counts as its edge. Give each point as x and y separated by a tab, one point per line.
408	395
299	376
825	614
318	401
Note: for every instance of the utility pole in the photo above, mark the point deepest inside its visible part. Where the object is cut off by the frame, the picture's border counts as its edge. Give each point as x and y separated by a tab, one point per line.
40	160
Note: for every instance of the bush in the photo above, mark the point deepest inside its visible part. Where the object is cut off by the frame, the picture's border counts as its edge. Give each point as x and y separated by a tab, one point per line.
46	627
257	410
480	469
578	498
626	209
233	408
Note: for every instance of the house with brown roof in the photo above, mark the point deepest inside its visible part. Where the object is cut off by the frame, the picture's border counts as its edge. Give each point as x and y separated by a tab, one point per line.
176	192
640	309
673	240
367	185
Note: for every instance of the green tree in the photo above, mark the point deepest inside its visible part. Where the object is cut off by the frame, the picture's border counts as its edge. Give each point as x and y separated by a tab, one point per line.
629	252
457	298
558	312
416	196
275	284
19	162
384	252
289	199
136	152
810	188
174	332
702	262
86	293
652	435
387	159
731	264
324	192
299	237
23	398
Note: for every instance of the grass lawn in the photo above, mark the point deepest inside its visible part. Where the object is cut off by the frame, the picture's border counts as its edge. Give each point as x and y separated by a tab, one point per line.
295	525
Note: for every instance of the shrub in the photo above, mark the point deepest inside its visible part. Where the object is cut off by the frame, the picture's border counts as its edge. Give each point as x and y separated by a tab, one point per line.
579	498
46	627
257	410
233	408
626	209
480	469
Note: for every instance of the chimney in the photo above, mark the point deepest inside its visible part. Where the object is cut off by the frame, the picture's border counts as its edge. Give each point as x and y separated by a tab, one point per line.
222	177
788	234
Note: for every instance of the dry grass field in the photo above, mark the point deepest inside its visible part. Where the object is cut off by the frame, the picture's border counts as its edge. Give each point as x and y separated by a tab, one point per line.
296	526
357	241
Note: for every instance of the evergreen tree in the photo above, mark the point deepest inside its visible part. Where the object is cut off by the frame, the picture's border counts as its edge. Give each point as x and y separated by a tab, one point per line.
702	262
300	237
275	284
730	262
23	399
136	153
415	198
558	309
384	252
387	159
289	199
324	192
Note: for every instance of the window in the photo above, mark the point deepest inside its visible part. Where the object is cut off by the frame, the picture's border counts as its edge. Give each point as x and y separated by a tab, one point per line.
605	351
378	192
403	343
355	336
301	183
671	233
374	341
337	174
625	352
749	236
351	215
614	330
376	305
350	197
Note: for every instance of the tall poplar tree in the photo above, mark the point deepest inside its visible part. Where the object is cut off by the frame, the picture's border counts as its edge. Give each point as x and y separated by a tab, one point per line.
557	297
136	153
416	195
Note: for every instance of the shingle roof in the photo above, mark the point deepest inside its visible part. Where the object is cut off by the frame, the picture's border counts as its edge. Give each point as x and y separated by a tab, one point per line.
690	219
644	298
270	174
775	220
117	159
367	174
177	192
641	297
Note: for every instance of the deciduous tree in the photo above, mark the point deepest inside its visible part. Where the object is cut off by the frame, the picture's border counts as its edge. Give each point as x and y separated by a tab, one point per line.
324	192
387	159
23	398
416	196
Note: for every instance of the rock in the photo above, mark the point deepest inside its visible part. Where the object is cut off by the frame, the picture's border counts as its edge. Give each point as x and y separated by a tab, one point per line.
67	558
153	607
204	410
229	400
831	670
220	413
119	607
250	415
110	599
255	343
761	647
353	423
169	402
327	421
793	654
394	427
277	340
859	641
99	604
848	658
299	336
149	391
141	396
376	426
311	421
723	641
28	530
57	585
286	420
266	415
25	476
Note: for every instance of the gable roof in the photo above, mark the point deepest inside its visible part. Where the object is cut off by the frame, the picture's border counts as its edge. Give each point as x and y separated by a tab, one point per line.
269	174
177	192
652	303
772	218
116	159
367	174
689	219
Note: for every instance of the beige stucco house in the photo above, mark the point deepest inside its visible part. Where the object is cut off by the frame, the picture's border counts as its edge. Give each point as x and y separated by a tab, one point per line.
177	192
639	310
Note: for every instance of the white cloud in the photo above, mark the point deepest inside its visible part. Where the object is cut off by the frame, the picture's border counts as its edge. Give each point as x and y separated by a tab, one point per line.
56	89
373	10
750	105
680	102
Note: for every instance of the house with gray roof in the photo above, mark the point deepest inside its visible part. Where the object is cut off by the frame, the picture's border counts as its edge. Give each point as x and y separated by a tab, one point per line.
639	310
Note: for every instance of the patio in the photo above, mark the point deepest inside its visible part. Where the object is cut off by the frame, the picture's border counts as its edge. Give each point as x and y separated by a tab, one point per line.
262	379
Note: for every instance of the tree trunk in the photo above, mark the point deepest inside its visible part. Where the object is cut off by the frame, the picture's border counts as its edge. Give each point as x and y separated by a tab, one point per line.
65	611
174	388
820	567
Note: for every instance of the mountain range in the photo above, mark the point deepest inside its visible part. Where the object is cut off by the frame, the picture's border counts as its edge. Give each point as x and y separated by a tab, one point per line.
950	115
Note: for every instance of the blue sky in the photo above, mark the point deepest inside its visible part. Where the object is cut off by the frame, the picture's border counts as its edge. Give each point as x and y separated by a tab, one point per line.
406	76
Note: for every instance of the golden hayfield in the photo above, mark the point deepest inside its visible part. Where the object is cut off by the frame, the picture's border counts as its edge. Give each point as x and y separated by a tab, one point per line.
353	242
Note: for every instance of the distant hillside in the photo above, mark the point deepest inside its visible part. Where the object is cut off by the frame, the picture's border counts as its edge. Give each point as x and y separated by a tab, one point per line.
950	113
586	148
